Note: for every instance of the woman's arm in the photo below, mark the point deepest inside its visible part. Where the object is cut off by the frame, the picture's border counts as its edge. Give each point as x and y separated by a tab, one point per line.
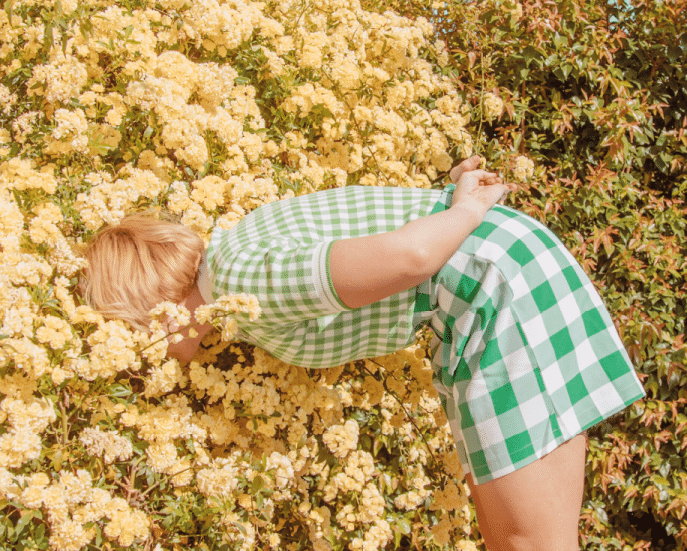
368	269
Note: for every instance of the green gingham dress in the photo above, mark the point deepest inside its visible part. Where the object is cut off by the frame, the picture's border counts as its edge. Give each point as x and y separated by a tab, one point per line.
525	355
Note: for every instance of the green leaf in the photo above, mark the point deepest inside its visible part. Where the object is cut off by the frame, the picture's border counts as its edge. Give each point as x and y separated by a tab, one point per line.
563	71
403	525
47	36
560	41
530	54
257	485
85	28
21	524
240	528
378	444
39	534
119	390
660	481
8	9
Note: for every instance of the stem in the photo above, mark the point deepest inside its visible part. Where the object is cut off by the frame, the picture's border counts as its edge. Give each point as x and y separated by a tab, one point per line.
412	421
481	98
522	123
143	494
65	424
184	328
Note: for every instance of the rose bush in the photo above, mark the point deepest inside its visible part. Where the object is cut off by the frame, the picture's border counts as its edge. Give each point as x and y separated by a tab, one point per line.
204	111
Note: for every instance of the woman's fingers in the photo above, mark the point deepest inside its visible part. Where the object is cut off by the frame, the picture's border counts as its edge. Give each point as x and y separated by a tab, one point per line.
494	194
482	176
487	187
492	180
467	165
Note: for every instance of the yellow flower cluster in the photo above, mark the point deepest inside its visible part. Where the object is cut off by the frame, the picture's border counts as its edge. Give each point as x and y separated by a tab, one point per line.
523	169
224	310
71	503
493	106
109	444
25	421
341	439
206	110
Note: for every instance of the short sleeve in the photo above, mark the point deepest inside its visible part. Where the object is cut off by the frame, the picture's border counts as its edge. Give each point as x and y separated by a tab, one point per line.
290	278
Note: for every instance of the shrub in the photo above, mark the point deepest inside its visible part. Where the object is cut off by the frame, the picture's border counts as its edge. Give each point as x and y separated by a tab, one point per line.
206	110
594	94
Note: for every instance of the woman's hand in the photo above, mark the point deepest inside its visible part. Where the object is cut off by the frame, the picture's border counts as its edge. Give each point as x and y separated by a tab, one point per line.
477	190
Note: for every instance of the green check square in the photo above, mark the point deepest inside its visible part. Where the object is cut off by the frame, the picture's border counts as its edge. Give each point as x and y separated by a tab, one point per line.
519	446
572	278
506	212
576	389
614	365
422	302
479	463
543	296
491	354
540	379
593	322
484	230
562	343
545	238
466	420
504	399
462	372
486	313
467	289
555	426
520	253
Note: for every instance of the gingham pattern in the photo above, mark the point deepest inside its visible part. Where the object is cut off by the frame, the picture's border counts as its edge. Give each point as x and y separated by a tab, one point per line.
279	253
525	354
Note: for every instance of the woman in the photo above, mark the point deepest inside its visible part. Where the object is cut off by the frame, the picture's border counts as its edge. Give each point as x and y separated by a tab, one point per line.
525	355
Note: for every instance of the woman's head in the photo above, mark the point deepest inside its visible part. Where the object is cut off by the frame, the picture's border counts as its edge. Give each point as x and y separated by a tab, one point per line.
137	264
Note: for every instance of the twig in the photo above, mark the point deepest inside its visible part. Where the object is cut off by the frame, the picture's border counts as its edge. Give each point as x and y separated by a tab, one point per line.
412	421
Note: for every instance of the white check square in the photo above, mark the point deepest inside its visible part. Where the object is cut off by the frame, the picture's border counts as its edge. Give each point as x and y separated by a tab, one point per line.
535	331
534	411
553	378
515	228
569	309
489	432
606	398
549	265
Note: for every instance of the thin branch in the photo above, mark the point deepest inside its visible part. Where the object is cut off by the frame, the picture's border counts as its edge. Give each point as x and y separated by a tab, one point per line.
412	421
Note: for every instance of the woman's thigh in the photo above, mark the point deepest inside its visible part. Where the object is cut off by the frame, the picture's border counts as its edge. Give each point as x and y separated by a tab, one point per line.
537	507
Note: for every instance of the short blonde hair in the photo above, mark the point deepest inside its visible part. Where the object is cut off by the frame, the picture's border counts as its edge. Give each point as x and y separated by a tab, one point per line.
137	264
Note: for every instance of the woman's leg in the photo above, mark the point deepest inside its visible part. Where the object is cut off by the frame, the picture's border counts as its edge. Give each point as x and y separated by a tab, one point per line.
537	507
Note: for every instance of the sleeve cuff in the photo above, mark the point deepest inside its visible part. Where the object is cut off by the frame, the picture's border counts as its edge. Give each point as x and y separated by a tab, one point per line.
323	278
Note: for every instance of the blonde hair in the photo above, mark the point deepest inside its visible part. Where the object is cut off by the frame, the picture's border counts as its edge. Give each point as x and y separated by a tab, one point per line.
137	264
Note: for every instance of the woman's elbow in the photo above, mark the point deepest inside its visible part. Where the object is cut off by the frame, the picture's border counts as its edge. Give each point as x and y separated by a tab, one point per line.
419	263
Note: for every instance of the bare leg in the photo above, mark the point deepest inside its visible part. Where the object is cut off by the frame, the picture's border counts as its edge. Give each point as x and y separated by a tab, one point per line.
536	508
